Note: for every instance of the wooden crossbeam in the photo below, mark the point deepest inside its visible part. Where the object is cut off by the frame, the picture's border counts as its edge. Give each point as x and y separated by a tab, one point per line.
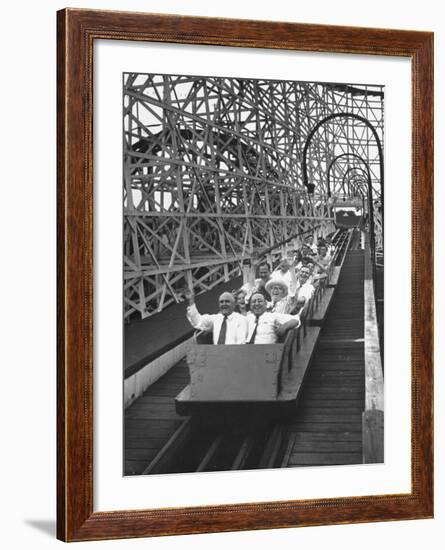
221	171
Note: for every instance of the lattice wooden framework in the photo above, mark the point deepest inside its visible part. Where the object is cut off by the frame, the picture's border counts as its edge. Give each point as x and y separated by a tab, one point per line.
212	175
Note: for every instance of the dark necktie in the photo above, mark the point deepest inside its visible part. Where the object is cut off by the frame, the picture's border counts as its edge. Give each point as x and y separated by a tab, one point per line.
223	331
252	338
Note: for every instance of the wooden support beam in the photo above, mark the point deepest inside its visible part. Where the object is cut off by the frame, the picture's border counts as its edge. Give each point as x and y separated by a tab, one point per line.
216	163
373	437
373	416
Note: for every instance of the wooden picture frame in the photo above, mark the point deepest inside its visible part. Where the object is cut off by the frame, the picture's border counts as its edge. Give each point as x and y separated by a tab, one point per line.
77	31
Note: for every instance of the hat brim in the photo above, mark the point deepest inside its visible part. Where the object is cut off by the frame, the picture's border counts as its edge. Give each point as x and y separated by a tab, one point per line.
276	282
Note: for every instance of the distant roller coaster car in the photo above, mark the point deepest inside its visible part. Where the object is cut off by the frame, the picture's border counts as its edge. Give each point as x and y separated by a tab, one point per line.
234	379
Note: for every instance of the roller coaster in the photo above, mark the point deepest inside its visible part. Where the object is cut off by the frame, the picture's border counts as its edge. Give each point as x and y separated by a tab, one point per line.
219	174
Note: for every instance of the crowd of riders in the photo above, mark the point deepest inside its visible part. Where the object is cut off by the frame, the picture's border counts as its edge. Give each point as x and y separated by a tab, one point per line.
273	300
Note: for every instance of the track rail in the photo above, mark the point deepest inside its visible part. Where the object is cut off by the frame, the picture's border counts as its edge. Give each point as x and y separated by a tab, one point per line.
199	446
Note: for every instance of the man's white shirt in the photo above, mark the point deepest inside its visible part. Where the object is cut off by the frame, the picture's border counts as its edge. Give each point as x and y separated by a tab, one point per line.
236	325
267	326
305	291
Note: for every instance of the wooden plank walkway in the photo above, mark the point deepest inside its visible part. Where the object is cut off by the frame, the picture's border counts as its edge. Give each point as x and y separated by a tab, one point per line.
327	428
152	419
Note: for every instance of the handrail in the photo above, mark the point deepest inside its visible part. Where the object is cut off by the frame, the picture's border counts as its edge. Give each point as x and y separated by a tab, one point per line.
373	414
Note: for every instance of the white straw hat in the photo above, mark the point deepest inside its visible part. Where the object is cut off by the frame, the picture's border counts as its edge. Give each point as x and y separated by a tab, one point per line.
277	282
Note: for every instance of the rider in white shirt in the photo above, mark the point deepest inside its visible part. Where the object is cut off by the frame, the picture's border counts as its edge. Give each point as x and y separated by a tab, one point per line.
266	327
227	326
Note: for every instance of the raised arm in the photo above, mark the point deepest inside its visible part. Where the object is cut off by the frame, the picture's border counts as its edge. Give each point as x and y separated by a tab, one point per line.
202	322
249	269
293	280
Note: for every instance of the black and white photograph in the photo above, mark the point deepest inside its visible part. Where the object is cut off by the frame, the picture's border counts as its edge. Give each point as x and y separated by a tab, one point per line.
223	285
253	263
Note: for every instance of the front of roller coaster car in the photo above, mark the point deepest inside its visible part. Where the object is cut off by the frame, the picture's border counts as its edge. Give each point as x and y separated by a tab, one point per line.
233	378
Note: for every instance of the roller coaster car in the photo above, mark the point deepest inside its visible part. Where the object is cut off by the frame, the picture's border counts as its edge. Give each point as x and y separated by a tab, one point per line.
241	379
